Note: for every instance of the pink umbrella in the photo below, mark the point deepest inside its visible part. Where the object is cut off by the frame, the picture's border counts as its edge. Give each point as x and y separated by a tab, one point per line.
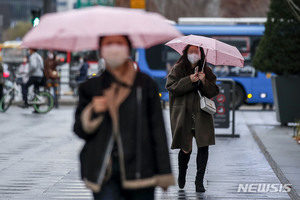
80	29
217	53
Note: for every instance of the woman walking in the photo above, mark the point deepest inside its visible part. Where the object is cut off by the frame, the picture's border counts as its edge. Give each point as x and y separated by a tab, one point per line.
119	116
51	74
187	119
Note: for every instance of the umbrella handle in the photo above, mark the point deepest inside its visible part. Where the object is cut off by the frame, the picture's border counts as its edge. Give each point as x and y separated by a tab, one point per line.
204	59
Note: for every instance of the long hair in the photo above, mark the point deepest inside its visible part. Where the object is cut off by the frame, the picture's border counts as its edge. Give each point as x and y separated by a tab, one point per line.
184	66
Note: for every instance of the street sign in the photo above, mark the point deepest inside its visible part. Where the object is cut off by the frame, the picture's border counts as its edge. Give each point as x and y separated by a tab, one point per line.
222	101
140	4
87	3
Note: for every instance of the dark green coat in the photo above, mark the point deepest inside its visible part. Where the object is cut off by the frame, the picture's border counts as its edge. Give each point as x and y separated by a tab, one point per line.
183	101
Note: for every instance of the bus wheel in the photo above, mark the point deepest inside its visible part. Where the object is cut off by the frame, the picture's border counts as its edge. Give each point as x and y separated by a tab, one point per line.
240	96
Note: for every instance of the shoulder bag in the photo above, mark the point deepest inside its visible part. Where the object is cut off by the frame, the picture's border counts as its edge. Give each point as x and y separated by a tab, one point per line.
206	104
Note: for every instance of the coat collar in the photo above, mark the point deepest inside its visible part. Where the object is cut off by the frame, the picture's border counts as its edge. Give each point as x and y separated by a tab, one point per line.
118	91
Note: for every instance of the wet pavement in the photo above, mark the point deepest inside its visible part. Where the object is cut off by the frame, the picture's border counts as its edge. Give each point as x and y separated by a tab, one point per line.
39	159
282	152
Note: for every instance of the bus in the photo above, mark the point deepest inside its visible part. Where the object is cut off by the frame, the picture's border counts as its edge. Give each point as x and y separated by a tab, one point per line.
11	52
252	86
11	56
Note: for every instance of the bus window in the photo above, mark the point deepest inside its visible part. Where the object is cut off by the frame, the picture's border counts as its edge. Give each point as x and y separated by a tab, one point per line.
254	44
161	57
154	57
241	43
90	56
13	55
170	57
231	71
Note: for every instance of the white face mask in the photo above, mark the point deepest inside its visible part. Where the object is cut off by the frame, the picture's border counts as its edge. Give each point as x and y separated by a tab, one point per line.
115	55
193	58
50	55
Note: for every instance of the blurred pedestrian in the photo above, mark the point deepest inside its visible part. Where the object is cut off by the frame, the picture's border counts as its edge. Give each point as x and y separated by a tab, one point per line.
51	74
35	73
119	116
23	75
1	80
187	119
83	70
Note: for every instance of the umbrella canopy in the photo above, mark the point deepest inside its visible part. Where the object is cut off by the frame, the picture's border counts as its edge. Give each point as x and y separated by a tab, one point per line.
217	53
80	29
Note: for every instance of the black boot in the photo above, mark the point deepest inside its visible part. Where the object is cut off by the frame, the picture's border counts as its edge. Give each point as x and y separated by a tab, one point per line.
202	157
183	160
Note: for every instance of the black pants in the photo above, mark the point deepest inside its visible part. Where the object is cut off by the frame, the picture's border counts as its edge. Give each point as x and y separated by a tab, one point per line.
23	89
33	80
112	189
1	91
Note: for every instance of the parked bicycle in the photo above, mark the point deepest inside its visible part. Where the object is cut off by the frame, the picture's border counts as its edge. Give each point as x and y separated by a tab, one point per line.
42	102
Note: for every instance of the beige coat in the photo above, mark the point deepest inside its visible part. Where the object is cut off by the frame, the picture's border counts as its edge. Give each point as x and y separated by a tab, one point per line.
184	100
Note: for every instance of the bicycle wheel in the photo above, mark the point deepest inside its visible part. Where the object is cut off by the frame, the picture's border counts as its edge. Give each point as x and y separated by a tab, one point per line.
43	102
7	100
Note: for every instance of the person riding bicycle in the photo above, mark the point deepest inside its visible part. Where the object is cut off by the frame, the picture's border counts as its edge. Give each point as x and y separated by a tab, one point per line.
35	73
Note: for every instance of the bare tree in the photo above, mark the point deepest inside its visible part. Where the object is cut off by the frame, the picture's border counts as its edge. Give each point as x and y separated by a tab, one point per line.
173	9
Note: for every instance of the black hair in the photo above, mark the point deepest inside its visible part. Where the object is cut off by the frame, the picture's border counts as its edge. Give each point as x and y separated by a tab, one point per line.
184	66
125	36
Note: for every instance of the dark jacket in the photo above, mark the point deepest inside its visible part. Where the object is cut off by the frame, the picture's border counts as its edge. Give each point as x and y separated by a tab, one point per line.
1	75
143	150
83	72
183	101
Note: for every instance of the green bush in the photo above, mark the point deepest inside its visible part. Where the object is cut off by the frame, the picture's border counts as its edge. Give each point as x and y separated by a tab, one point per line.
18	31
279	48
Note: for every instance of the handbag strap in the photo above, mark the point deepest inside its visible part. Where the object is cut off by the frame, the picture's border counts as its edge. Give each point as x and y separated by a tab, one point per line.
199	92
139	130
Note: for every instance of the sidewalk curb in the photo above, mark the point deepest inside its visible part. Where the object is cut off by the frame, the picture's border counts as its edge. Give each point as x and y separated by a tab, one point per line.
61	102
282	178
